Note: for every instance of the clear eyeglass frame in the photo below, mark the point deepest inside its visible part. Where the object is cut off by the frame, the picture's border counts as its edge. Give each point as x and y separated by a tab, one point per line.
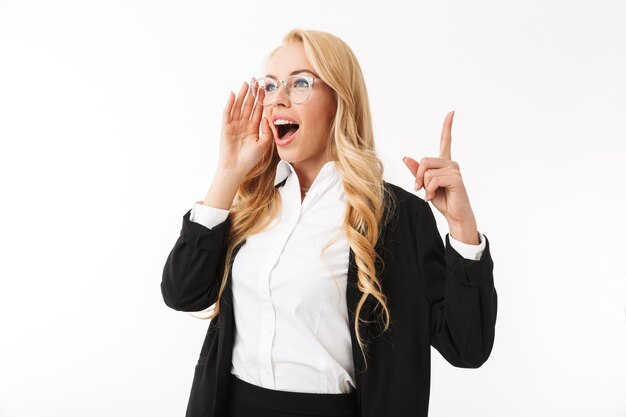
301	94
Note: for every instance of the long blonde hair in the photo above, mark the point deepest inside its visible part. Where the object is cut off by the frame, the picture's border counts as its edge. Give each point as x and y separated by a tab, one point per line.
352	147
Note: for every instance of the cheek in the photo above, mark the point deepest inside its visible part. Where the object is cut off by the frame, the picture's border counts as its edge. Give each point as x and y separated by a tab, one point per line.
319	118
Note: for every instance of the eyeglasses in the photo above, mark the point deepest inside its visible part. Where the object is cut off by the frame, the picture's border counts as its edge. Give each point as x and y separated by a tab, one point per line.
297	87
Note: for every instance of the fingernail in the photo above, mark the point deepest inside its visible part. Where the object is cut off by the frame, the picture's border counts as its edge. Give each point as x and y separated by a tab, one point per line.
415	187
403	159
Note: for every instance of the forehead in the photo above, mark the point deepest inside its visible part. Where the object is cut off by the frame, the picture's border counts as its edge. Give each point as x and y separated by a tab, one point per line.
288	58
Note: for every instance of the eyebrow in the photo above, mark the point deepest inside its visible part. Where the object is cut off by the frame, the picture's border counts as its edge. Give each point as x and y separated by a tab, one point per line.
294	73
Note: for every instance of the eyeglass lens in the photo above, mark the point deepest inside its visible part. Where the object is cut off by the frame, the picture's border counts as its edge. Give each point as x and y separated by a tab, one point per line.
298	89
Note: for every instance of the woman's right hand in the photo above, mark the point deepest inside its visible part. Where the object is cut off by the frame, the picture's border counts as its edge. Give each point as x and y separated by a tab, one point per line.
241	145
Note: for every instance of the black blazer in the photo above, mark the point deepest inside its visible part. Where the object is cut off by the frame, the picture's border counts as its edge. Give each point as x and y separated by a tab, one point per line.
435	297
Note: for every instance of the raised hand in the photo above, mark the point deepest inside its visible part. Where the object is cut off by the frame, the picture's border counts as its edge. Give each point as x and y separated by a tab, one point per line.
443	185
241	144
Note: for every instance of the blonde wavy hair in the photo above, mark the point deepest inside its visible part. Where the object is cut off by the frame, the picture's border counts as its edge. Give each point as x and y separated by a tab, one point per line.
258	201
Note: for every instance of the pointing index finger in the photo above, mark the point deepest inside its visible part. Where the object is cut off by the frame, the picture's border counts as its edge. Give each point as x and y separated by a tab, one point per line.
446	137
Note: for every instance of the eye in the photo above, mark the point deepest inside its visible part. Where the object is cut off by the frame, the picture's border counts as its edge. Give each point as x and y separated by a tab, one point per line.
268	85
300	83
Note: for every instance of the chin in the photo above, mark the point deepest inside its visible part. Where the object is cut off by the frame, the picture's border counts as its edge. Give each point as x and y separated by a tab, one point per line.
287	156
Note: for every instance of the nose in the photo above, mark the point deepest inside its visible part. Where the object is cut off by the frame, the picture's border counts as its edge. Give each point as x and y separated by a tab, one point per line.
280	96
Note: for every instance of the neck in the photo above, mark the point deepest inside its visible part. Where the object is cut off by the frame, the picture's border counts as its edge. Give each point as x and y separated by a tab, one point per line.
307	174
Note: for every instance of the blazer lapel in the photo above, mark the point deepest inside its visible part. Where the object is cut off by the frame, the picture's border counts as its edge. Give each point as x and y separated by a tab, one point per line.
227	323
353	295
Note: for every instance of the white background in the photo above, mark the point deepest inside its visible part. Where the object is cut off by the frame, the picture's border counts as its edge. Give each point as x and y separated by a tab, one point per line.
110	118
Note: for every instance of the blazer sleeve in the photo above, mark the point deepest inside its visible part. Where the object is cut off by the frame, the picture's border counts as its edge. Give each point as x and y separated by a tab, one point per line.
194	267
462	295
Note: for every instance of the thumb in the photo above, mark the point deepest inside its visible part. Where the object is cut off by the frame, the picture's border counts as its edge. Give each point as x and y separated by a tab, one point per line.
266	131
411	164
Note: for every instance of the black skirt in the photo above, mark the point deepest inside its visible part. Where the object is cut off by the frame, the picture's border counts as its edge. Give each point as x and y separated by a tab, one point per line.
247	400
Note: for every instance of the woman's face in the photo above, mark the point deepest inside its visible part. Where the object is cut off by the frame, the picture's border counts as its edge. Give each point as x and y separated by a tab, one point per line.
314	116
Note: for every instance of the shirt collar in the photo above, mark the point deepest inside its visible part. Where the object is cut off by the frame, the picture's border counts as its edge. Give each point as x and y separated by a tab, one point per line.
284	169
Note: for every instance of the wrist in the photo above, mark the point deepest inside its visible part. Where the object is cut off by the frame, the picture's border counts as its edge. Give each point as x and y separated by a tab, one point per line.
465	232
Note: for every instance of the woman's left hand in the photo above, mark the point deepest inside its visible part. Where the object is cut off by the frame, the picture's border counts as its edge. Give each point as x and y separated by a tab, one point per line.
443	185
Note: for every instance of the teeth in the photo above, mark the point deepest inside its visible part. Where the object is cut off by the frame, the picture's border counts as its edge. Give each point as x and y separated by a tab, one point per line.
284	122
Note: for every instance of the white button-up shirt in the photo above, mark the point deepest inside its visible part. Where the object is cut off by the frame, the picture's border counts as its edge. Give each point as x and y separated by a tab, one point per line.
289	297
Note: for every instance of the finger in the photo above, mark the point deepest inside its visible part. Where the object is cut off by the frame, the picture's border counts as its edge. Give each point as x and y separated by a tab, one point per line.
434	182
435	172
257	113
429	174
249	103
446	137
425	164
411	164
237	109
266	132
228	108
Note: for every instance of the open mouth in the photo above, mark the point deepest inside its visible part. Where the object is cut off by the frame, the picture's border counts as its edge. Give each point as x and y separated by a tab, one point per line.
286	130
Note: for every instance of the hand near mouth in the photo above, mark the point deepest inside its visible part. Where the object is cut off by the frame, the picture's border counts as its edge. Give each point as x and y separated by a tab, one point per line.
242	145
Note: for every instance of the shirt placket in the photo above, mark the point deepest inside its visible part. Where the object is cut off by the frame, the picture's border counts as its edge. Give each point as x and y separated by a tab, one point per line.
291	212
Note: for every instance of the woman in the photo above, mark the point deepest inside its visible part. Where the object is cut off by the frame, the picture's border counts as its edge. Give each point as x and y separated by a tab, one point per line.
326	285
